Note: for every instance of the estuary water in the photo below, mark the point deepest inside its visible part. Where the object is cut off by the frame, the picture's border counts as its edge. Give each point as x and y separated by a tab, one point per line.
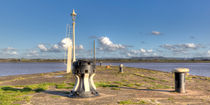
201	69
29	68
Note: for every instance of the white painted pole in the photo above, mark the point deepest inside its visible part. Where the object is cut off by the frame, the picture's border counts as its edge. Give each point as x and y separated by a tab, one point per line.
68	70
73	14
74	56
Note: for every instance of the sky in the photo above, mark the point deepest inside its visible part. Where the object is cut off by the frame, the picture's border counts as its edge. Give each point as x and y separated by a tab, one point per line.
121	28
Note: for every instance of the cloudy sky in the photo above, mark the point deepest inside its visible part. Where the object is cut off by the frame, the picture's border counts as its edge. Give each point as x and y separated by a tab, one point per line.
121	28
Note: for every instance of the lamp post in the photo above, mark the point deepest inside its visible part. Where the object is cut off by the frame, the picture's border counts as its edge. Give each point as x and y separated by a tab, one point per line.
73	14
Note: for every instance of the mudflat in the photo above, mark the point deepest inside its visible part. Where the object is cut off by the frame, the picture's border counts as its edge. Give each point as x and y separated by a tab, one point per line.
134	86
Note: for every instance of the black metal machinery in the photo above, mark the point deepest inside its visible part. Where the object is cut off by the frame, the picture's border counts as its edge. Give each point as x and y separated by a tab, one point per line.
84	71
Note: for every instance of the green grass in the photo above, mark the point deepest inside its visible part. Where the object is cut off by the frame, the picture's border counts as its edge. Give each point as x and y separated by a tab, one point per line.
105	84
64	86
55	96
115	88
138	84
171	99
143	76
130	102
148	79
9	95
188	78
40	87
129	85
159	86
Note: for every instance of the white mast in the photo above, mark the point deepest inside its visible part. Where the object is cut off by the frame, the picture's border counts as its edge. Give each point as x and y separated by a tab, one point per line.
73	14
69	54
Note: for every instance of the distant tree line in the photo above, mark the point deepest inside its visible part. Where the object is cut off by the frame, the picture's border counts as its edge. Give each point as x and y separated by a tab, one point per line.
160	60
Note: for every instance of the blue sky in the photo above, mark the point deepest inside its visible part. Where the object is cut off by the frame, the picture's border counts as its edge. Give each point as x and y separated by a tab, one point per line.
121	28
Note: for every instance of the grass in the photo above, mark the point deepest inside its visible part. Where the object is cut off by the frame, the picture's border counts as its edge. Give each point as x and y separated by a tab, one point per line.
55	96
188	78
129	85
115	88
143	76
105	84
138	84
159	86
148	79
130	102
10	95
64	86
40	87
115	84
171	99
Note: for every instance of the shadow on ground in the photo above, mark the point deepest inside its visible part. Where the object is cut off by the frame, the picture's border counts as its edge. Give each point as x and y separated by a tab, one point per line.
59	93
147	89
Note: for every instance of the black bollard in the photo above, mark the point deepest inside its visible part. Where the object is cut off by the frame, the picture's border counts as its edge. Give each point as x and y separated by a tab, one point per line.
100	63
179	74
121	68
84	72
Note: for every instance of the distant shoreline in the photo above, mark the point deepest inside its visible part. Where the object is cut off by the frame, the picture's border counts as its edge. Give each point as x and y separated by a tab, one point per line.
112	60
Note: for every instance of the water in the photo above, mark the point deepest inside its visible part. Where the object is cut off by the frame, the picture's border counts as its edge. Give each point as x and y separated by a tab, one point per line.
201	69
29	68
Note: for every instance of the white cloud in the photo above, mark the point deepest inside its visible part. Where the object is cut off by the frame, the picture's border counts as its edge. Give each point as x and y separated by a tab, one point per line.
140	52
107	45
181	48
9	51
156	33
208	52
32	53
65	43
80	47
61	46
42	47
190	45
149	51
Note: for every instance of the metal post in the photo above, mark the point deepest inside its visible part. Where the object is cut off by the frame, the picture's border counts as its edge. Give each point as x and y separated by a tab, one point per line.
121	68
100	63
179	74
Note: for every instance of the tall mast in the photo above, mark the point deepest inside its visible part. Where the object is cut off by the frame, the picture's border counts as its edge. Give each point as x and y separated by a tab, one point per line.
68	70
67	36
73	14
69	52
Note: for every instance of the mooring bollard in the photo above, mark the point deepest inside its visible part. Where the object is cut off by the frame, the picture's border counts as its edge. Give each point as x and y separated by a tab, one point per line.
84	72
121	68
180	79
100	63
